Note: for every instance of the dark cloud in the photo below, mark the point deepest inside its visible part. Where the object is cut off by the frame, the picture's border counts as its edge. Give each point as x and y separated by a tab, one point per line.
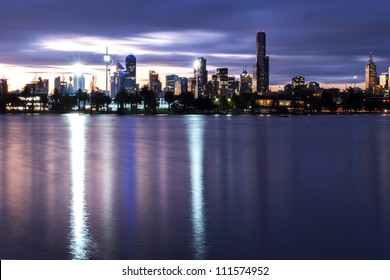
322	39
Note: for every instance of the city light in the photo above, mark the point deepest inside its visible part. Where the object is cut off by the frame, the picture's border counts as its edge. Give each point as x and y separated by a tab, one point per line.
78	69
197	67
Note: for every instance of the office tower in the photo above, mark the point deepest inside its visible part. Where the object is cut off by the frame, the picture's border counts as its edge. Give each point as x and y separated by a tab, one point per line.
262	64
57	83
384	80
371	76
129	78
221	82
181	85
202	75
3	86
79	82
154	82
298	82
233	86
117	79
245	82
170	81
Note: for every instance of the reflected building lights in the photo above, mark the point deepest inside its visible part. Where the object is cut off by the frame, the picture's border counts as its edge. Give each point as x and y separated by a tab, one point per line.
79	236
195	130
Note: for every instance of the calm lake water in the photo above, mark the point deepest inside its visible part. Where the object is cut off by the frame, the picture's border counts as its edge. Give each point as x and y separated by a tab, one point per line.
194	187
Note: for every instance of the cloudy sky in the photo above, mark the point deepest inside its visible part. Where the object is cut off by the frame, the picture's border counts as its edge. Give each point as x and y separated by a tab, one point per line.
325	41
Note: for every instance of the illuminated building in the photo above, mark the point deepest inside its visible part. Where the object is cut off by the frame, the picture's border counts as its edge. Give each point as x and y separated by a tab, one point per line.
117	79
129	77
384	80
245	82
262	64
371	75
154	82
170	81
298	82
181	85
202	73
221	82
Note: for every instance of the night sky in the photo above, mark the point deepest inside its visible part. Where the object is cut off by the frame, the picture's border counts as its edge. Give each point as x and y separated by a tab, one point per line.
325	41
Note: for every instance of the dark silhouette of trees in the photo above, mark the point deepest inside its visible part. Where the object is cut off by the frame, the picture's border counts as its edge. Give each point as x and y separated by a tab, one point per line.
99	99
169	97
204	104
149	97
327	100
120	100
186	99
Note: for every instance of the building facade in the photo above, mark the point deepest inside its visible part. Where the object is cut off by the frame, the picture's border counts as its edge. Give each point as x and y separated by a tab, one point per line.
246	82
154	82
3	86
170	82
221	82
371	78
201	74
298	82
262	64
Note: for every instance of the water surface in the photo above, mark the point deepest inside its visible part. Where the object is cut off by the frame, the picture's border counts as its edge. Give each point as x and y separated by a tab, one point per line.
194	187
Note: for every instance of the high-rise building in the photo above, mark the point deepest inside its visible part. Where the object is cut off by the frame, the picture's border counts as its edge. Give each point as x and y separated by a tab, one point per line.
384	80
245	82
221	82
202	75
371	75
3	86
181	85
154	82
117	79
62	86
79	83
262	64
170	81
129	78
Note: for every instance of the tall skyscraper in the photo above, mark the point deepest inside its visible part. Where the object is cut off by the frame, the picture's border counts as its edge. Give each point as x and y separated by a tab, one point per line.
371	75
79	82
154	82
262	64
129	78
202	75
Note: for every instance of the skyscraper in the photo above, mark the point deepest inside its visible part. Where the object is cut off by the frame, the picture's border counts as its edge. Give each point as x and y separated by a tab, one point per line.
371	75
154	82
262	64
202	78
245	82
129	78
170	81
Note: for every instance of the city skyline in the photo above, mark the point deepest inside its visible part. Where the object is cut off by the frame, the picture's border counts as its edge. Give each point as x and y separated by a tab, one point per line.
327	42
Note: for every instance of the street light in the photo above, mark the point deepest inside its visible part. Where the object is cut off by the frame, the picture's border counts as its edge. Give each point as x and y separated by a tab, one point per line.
197	67
107	59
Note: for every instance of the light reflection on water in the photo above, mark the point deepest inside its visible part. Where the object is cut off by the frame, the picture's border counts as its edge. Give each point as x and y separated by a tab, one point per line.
80	240
195	132
194	187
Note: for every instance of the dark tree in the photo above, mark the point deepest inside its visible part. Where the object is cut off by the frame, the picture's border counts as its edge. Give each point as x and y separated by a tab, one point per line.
169	97
120	100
